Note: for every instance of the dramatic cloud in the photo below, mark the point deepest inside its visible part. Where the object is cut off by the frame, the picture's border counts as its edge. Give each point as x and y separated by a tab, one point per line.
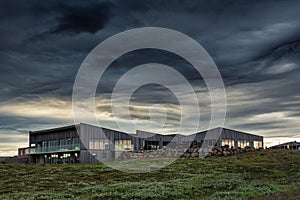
255	46
89	18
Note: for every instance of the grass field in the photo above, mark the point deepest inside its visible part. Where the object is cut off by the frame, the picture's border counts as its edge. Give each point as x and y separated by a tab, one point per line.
253	175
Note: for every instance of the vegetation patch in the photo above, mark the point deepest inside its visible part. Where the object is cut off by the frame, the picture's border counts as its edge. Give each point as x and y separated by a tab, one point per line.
253	175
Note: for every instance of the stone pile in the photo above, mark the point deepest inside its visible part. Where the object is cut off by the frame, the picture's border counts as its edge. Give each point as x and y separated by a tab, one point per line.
224	151
174	153
161	153
227	151
191	153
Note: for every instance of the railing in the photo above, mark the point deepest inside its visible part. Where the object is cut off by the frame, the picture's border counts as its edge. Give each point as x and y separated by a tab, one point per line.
30	150
61	148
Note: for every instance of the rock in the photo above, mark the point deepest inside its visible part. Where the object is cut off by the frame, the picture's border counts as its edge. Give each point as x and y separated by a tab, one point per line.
194	155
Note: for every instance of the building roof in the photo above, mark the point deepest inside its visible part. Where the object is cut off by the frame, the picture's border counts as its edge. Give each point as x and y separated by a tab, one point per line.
138	132
292	143
67	128
229	130
54	129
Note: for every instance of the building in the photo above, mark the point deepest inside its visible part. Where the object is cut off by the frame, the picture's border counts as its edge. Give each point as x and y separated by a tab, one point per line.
3	159
288	146
23	157
83	143
9	159
227	137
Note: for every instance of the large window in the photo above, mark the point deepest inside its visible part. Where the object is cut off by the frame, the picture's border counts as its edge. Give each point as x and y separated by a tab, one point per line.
99	144
243	143
64	144
123	145
45	145
257	144
228	142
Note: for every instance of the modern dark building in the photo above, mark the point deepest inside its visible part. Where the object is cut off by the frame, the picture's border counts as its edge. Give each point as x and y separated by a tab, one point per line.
57	145
85	143
229	137
287	146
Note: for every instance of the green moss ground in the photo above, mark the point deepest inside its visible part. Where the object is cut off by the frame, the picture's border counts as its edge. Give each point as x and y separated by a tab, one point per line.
252	175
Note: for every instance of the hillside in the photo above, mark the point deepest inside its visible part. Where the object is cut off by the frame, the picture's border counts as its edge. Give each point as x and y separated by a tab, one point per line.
262	174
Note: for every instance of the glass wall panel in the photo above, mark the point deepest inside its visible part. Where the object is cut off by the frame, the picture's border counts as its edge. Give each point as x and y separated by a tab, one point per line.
123	145
65	144
257	144
99	144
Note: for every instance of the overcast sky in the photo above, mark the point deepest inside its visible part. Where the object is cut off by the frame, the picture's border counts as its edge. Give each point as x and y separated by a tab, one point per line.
255	44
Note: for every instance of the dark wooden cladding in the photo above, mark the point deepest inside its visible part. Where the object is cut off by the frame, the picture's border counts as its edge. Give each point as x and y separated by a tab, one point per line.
52	134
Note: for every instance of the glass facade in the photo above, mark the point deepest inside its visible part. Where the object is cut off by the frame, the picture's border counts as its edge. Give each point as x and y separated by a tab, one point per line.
123	145
65	144
257	144
228	142
100	144
243	143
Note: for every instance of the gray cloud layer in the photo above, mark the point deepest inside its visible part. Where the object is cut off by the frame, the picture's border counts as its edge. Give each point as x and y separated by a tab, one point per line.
255	45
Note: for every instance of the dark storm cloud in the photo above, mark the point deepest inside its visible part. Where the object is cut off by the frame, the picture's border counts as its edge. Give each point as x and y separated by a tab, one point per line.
262	125
255	46
89	18
139	57
23	124
244	29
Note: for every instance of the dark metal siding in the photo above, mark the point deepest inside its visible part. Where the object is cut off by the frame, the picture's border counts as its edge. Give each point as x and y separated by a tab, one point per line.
88	132
39	136
223	133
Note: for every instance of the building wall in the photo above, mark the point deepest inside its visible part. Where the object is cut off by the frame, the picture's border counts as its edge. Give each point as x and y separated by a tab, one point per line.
104	138
287	146
217	137
240	136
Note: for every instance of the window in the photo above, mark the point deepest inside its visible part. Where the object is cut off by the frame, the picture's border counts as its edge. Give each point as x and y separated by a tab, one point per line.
75	140
257	144
44	146
243	143
99	144
228	142
91	144
247	144
123	145
106	145
66	155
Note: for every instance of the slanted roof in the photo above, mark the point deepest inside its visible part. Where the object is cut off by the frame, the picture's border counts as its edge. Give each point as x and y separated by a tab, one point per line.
62	128
54	129
292	143
222	128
